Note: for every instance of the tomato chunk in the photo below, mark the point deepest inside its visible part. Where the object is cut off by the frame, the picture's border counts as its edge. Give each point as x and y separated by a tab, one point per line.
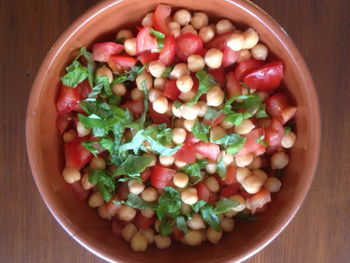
186	153
145	41
251	144
136	107
158	118
266	77
75	154
188	44
111	207
219	41
229	56
167	53
273	136
233	87
161	176
219	75
278	106
147	57
258	200
229	190
79	191
202	192
145	174
230	176
245	67
208	149
177	233
170	90
144	222
84	89
120	63
67	99
215	122
159	18
102	51
63	121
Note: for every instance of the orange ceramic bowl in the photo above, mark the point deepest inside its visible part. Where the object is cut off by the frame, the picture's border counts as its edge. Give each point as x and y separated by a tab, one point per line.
82	223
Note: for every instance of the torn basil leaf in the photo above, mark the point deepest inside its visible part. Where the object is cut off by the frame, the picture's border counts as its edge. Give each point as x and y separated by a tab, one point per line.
201	131
181	224
169	204
133	165
104	182
224	205
206	81
232	142
194	171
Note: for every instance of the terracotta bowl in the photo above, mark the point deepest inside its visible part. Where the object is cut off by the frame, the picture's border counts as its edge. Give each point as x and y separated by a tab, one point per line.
82	223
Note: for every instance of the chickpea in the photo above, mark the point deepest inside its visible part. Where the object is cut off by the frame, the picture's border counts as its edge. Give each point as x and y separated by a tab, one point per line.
105	72
251	38
193	238
159	83
213	236
128	232
255	164
86	183
227	158
156	225
150	194
98	163
166	160
188	124
135	187
136	94
199	20
103	213
162	242
184	83
206	33
71	175
147	20
179	123
119	89
235	42
213	58
243	55
69	135
81	130
179	135
196	222
224	26
230	214
148	213
273	184
288	140
180	164
185	209
211	167
180	180
189	196
227	224
215	96
179	70
195	63
260	173
124	34
187	96
189	29
190	112
241	201
245	127
279	160
212	184
203	107
130	46
252	184
242	173
95	200
260	52
149	234
156	69
244	160
177	112
160	105
126	213
175	29
226	124
138	242
146	78
182	16
217	132
154	94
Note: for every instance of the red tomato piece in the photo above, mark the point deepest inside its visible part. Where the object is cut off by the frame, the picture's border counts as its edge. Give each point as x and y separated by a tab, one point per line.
219	75
219	41
230	176
158	118
177	233
167	53
102	51
251	145
75	154
287	114
146	174
202	192
161	176
123	191
120	63
63	121
170	90
84	89
215	122
111	207
229	190
278	106
136	107
273	136
67	99
208	149
266	77
144	222
186	153
79	191
159	18
229	56
147	57
233	87
188	44
191	139
245	67
258	200
145	41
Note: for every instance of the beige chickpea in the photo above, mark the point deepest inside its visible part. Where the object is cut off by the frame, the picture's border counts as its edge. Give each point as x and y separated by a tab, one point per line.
260	173
146	78
195	63
180	180
177	112
190	112
154	94
245	127
199	20
159	83
71	175
138	242
105	72
212	184
128	232
179	135
227	158
98	163
244	160
260	52
243	55
193	238
224	26
235	42
251	38
206	33
187	96
150	194
162	242
148	234
184	83
230	214
81	130
182	16
136	94
196	222
180	164
179	70
156	225
241	201
242	173
189	196
215	96
217	132
130	46
188	29
166	160
252	184
273	184
126	213
95	200
227	224
203	107
135	187
148	213
179	123
255	164
213	58
175	28
156	69
188	124
86	183
160	105
226	124
103	213
185	209
279	160
119	89
211	167
124	34
69	135
288	140
147	20
213	236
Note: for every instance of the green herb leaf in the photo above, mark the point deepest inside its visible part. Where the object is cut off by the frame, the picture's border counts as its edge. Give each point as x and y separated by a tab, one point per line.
194	171
133	165
237	117
206	81
166	72
166	228
177	104
76	73
221	168
90	63
137	202
169	204
197	206
212	114
181	224
129	75
91	147
224	205
209	216
159	36
105	183
232	142
261	141
250	102
201	131
160	148
287	129
261	113
247	217
134	144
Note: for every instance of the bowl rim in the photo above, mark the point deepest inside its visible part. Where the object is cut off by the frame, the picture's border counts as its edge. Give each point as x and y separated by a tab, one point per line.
249	7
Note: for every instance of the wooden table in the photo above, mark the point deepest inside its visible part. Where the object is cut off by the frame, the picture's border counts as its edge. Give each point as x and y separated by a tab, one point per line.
321	230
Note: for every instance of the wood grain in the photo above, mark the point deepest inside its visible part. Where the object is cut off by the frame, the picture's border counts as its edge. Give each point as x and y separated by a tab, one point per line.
320	231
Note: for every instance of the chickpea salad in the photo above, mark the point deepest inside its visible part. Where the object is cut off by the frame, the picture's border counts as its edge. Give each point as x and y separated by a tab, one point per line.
175	128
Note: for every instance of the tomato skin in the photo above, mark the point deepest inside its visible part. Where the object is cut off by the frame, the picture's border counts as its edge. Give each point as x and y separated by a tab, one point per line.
145	174
186	153
208	149
145	41
123	191
278	107
111	207
84	89
120	63
233	87
144	222
219	75
102	51
67	100
170	90
258	200
158	118
215	122
219	41
188	44
167	53
229	190
136	107
245	67
230	176
266	77
202	192
229	56
147	57
273	136
161	176
177	233
79	191
75	154
159	18
63	121
251	145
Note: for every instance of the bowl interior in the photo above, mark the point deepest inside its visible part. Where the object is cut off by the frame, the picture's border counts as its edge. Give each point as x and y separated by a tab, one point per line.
45	146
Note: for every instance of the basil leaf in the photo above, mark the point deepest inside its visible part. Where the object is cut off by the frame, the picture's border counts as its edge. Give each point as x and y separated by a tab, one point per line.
169	203
206	81
107	144
181	224
251	102
90	63
261	141
91	147
166	228
232	142
194	171
197	206
247	217
159	36
166	72
287	129
134	144
200	131
224	205
221	168
129	75
237	117
161	149
137	202
212	114
133	165
261	113
209	216
177	104
76	73
104	182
